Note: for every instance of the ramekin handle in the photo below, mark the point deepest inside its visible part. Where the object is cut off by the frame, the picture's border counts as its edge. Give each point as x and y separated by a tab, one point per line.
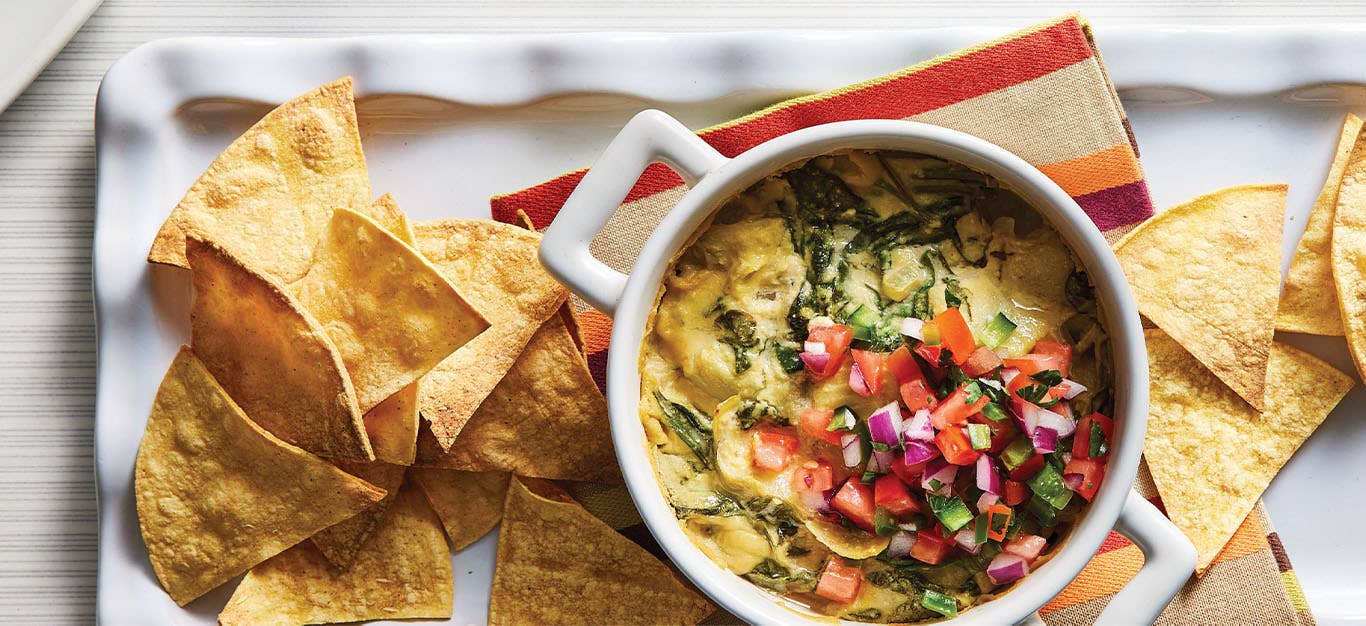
650	136
1168	561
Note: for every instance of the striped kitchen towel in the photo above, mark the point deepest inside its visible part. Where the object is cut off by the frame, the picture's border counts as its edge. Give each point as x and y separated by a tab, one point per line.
1043	94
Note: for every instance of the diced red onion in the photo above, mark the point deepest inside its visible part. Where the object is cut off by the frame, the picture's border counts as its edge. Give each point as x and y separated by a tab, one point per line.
1066	457
815	362
1008	374
1073	481
814	347
910	526
853	452
814	500
986	500
900	545
1045	440
1028	415
1007	568
918	428
967	540
942	471
857	383
913	328
992	383
885	424
1071	389
1057	422
919	452
881	463
987	478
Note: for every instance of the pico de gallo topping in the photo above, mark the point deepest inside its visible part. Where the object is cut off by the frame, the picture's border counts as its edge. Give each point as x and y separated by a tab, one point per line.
877	385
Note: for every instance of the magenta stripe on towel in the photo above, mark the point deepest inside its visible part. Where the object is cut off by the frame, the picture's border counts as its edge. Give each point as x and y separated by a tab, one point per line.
1118	206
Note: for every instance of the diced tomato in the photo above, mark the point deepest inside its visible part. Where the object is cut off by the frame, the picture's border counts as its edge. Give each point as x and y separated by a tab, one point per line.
998	518
957	449
931	546
930	354
1092	472
839	582
955	335
1081	441
908	472
917	395
870	364
1020	382
1028	469
814	422
1060	351
903	366
836	339
855	501
1002	432
891	494
955	409
773	447
1016	493
1026	547
1034	363
981	362
814	477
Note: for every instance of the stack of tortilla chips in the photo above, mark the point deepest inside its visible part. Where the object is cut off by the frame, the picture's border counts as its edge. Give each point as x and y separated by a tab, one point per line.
359	393
1229	404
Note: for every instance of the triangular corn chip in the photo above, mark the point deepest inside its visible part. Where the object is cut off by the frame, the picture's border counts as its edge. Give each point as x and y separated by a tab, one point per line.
217	494
392	424
1349	252
389	312
497	269
402	572
548	397
392	427
1208	272
557	564
274	358
268	195
1307	305
340	542
1212	455
468	503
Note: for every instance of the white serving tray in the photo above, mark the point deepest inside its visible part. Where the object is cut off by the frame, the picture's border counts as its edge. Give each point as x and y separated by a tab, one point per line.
449	121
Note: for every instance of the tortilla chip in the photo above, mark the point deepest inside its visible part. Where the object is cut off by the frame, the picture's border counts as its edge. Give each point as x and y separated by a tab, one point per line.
392	427
546	419
1212	455
217	494
274	359
1349	252
557	564
468	503
1306	305
267	198
340	542
389	312
1208	272
497	268
403	572
385	212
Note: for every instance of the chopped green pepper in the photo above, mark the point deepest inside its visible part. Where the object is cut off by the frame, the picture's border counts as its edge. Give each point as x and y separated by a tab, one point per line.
995	413
1048	486
952	513
940	603
844	419
997	331
1017	452
980	436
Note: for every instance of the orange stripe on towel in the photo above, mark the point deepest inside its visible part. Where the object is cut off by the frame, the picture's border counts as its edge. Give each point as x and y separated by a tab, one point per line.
1109	168
1106	574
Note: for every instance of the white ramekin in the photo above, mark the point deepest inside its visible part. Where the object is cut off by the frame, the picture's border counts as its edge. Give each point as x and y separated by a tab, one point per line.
653	136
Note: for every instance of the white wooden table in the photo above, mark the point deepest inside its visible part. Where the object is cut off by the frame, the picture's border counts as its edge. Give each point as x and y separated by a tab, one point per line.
47	178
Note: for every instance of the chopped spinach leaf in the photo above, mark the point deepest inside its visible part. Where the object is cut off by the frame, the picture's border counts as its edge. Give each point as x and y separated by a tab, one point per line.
690	427
753	411
771	574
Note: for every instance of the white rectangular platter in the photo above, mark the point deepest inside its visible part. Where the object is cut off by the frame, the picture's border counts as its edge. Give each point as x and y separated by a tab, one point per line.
448	121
